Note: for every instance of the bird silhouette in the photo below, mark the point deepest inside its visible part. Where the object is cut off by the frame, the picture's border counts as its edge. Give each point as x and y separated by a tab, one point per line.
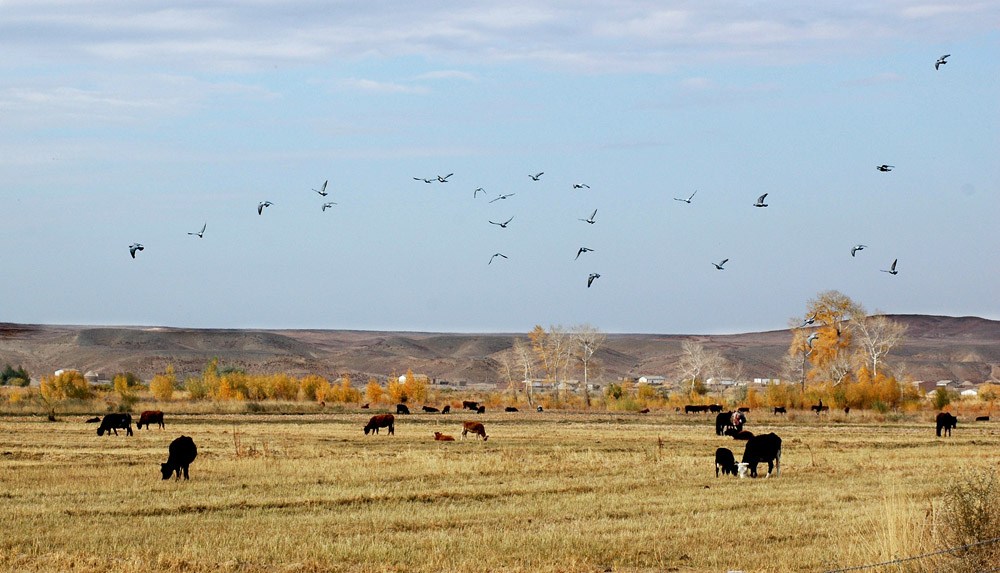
808	321
812	338
581	251
495	255
941	61
200	234
502	225
578	185
502	197
445	178
857	248
476	192
884	168
688	200
135	247
322	190
590	279
719	265
760	201
591	219
328	205
425	180
536	175
261	205
892	270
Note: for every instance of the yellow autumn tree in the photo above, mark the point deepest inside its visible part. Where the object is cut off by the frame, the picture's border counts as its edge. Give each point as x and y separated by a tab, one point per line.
394	388
414	387
313	387
373	391
162	385
69	384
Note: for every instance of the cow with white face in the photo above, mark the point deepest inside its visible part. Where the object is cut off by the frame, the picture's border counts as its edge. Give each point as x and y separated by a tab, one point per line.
763	448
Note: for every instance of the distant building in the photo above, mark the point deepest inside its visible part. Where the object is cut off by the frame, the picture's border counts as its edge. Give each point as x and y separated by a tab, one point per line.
652	380
767	381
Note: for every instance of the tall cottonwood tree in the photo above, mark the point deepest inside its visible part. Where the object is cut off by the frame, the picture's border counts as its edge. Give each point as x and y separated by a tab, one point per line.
877	335
697	362
552	349
586	341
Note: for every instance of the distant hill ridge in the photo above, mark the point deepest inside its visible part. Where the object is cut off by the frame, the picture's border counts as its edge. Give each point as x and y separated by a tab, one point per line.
935	348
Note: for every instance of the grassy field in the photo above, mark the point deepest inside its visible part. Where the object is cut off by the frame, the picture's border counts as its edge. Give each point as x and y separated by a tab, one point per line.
547	492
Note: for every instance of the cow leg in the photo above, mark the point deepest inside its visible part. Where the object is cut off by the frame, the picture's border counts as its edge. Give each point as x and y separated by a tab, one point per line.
128	430
185	473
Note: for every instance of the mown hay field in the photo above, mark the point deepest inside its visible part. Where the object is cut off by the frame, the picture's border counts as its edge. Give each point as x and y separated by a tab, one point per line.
548	492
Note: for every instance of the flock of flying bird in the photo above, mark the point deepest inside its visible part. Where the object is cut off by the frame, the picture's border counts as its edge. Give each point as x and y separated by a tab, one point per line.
592	219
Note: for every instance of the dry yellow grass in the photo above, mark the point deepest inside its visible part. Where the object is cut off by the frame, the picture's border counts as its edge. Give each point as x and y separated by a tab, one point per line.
547	492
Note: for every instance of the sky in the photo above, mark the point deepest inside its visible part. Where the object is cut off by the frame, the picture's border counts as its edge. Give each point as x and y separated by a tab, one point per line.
125	122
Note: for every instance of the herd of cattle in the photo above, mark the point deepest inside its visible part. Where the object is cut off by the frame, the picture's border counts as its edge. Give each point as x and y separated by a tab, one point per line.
765	448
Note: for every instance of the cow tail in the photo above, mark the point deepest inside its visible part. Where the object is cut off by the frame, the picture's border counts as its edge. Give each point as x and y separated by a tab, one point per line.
777	463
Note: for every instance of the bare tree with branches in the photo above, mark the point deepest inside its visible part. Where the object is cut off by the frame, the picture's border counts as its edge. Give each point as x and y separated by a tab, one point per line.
696	362
586	341
877	335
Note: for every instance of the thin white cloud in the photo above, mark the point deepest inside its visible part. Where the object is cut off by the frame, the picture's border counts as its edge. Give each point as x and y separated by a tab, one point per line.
373	86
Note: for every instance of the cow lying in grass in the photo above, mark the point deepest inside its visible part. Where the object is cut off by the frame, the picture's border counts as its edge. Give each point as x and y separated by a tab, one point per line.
474	427
443	437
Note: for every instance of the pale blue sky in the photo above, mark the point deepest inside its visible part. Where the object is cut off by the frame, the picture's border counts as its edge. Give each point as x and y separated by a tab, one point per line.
140	121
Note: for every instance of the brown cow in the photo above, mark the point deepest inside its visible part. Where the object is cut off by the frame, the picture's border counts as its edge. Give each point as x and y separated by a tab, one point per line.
470	405
474	427
442	437
150	417
381	421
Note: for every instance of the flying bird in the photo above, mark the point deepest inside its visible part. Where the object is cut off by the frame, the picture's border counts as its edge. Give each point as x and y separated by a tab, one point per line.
940	61
425	180
591	219
200	233
808	321
578	185
719	265
884	168
812	338
760	201
328	205
502	197
476	192
504	224
590	279
536	175
857	248
892	270
495	255
135	247
581	251
322	190
445	178
688	200
261	205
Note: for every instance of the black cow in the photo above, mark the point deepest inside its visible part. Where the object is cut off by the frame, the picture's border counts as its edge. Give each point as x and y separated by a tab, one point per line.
725	461
763	448
982	418
481	410
94	420
540	409
739	434
722	422
402	409
780	410
181	453
510	409
470	405
113	422
946	422
429	409
694	408
743	409
446	409
715	408
819	408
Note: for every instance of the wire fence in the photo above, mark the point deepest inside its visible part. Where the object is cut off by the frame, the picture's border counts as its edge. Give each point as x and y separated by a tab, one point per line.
917	557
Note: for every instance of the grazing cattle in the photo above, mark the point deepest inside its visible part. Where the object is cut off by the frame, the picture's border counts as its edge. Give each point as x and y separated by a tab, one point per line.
694	408
722	422
470	405
739	434
180	455
365	407
737	420
819	408
510	409
481	410
780	410
946	422
715	408
429	409
442	437
381	421
982	418
112	422
763	448
446	409
474	427
402	409
725	461
743	409
150	417
94	420
540	409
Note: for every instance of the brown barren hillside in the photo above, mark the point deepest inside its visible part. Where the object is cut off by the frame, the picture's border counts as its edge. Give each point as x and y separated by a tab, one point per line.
935	348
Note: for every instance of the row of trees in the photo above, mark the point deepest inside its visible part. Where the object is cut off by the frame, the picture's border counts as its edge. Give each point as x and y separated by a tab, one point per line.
11	376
